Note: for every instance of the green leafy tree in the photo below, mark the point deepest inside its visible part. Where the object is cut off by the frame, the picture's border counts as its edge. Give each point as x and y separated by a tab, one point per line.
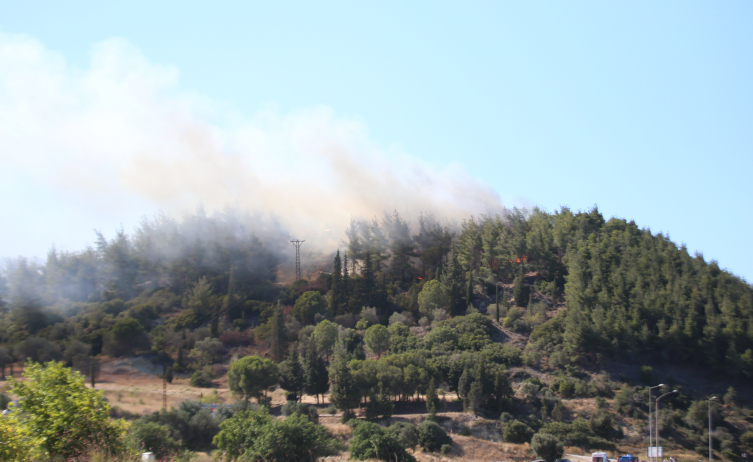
239	433
15	445
126	336
252	376
432	296
547	447
370	441
65	417
377	338
294	439
308	305
325	336
150	436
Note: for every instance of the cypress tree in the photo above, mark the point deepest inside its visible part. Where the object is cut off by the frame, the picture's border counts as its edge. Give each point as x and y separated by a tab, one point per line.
453	280
344	393
368	282
464	384
291	375
277	335
179	359
469	292
315	375
496	298
345	297
169	374
432	400
520	291
214	328
336	295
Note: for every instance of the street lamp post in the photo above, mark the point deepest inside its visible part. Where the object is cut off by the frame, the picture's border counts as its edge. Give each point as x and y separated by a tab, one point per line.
711	452
650	425
657	417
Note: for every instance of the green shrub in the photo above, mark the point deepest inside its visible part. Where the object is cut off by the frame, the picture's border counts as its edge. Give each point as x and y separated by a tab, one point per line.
4	401
517	432
746	441
431	436
295	438
239	432
370	441
201	379
566	388
445	449
547	447
292	407
150	436
405	433
466	432
646	374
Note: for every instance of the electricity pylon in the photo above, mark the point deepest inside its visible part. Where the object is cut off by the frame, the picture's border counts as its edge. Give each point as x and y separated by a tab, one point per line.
297	245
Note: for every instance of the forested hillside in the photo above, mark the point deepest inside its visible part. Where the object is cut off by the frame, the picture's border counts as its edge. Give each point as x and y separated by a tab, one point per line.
515	316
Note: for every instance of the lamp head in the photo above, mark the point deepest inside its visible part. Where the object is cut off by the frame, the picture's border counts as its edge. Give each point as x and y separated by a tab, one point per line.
713	398
674	391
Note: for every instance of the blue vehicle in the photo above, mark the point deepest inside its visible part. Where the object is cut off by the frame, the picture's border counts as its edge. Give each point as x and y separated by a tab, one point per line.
628	458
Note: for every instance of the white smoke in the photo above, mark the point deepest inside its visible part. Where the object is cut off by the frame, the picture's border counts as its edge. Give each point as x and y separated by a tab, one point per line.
118	139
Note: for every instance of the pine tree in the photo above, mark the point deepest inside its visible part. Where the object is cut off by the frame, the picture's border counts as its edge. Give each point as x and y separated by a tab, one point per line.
469	292
277	336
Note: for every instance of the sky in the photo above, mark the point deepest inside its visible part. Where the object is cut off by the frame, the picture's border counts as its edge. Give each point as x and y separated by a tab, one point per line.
318	111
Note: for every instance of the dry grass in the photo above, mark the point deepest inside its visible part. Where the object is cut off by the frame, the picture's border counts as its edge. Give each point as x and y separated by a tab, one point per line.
339	430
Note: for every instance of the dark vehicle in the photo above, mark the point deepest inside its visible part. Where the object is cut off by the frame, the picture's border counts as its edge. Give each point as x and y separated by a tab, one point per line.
628	458
562	460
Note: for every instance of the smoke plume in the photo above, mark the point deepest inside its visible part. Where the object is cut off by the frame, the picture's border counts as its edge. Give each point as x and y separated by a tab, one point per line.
119	139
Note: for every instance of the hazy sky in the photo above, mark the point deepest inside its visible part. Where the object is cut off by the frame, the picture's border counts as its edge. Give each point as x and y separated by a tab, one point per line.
323	109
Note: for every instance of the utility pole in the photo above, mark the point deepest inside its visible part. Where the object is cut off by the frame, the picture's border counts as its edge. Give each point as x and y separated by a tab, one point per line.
711	451
650	425
297	245
661	456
